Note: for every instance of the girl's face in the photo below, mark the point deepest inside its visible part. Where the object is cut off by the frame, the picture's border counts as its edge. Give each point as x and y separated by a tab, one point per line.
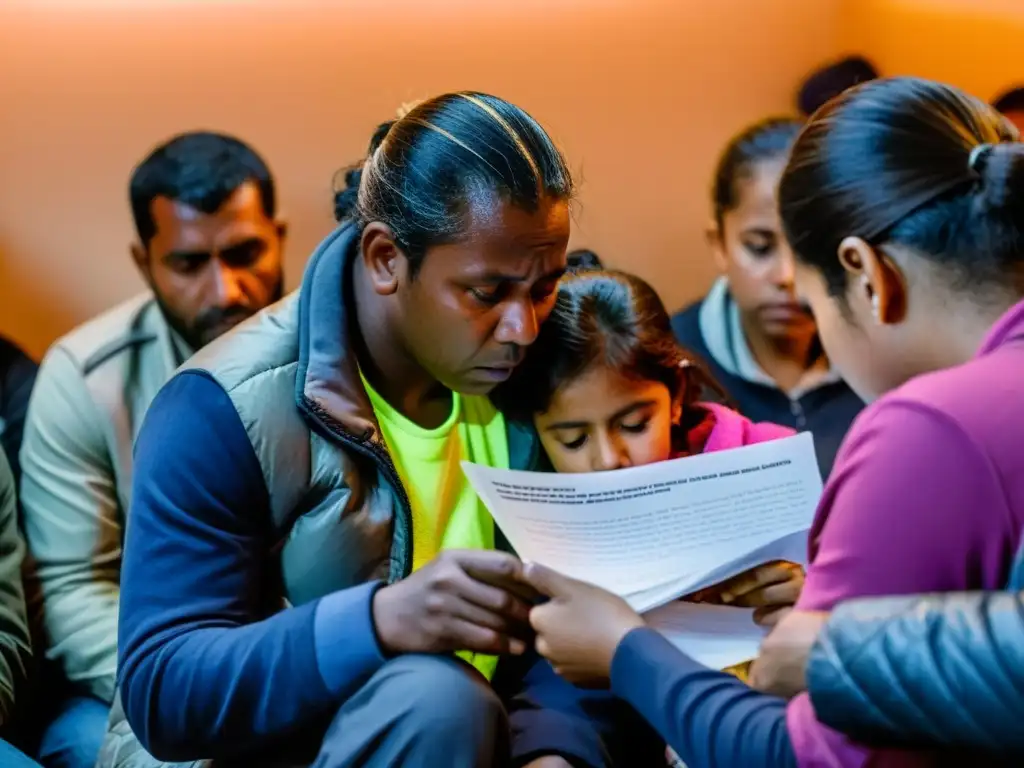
751	251
604	420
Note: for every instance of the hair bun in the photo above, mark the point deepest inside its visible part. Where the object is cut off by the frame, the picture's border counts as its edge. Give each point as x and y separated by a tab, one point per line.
1000	168
346	197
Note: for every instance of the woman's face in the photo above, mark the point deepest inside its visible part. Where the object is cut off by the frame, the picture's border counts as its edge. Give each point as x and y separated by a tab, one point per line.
755	258
604	420
857	347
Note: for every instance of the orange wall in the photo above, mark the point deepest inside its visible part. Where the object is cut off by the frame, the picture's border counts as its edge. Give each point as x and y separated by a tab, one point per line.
641	93
977	45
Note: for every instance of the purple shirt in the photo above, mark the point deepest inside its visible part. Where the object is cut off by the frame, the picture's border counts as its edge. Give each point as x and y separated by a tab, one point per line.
927	495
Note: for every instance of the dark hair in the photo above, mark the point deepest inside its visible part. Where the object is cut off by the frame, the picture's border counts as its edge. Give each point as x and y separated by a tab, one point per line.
346	195
1011	101
824	84
436	158
909	162
583	258
765	140
200	169
607	317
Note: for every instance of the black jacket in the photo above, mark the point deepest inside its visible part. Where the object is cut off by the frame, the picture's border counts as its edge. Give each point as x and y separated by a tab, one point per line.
826	411
17	375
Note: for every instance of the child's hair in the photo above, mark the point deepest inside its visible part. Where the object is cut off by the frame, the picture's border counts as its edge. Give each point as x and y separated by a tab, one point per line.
609	318
915	163
768	139
583	258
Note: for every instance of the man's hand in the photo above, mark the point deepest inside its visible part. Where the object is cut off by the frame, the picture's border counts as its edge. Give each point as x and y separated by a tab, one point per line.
580	627
771	590
780	667
463	600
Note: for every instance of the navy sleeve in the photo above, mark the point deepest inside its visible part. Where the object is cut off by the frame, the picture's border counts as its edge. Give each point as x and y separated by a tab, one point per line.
711	719
589	729
210	665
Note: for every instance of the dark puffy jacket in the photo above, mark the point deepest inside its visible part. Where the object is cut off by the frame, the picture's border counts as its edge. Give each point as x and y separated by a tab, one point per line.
935	669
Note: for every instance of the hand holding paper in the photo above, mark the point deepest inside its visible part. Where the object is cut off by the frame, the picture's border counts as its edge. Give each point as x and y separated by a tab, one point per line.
653	533
579	627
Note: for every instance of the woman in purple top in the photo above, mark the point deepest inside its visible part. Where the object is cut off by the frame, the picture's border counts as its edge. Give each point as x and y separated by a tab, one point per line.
904	203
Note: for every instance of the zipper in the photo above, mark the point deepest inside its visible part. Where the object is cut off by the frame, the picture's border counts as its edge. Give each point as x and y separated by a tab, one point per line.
799	416
383	460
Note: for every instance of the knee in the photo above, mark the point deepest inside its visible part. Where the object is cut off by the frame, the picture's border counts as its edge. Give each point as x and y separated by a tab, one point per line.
441	694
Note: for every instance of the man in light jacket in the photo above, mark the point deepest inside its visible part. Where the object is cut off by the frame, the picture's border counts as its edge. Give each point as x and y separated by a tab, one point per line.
209	248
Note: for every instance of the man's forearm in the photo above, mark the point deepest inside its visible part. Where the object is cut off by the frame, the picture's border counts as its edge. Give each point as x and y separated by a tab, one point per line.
207	690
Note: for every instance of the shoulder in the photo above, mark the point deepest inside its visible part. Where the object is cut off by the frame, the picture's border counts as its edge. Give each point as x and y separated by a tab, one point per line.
686	325
909	431
127	326
733	430
975	408
256	350
914	503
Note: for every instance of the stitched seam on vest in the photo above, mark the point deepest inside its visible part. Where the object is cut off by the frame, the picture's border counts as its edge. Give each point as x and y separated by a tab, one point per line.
253	376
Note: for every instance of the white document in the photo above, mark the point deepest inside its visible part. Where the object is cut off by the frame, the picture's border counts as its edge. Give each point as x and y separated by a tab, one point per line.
653	533
717	636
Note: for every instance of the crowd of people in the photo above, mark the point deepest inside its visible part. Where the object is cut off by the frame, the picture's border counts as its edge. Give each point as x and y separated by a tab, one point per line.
234	529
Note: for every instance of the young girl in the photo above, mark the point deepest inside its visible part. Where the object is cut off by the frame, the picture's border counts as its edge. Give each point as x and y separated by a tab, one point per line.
904	201
607	387
758	341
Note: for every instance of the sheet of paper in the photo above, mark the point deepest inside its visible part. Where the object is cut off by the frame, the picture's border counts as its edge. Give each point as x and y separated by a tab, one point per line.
655	532
717	636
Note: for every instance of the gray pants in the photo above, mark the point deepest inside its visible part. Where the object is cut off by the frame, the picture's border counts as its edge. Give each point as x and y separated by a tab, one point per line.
419	711
415	712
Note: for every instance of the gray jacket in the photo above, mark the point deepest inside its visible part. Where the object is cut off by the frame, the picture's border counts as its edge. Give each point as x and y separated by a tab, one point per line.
340	511
91	393
926	670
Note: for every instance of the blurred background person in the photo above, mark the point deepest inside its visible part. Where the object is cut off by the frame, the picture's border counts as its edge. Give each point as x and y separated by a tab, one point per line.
1011	104
829	81
758	340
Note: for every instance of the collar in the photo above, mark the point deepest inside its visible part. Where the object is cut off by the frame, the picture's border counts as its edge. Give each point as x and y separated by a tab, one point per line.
1009	327
328	387
722	329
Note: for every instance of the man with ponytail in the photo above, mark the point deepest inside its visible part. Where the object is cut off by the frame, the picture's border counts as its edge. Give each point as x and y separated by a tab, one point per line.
309	578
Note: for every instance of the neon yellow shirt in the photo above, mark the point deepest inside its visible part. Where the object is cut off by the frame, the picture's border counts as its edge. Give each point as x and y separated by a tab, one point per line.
446	512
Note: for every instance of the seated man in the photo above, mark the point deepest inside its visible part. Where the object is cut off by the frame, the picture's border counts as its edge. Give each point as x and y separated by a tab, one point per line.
309	577
15	643
209	248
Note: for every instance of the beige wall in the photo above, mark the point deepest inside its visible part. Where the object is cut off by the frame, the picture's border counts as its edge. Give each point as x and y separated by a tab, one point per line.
974	44
640	92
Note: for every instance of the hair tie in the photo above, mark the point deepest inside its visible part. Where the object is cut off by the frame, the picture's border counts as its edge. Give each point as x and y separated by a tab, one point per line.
976	160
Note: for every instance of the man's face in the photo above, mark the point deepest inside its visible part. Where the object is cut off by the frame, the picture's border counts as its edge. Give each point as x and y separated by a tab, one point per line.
475	305
211	271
